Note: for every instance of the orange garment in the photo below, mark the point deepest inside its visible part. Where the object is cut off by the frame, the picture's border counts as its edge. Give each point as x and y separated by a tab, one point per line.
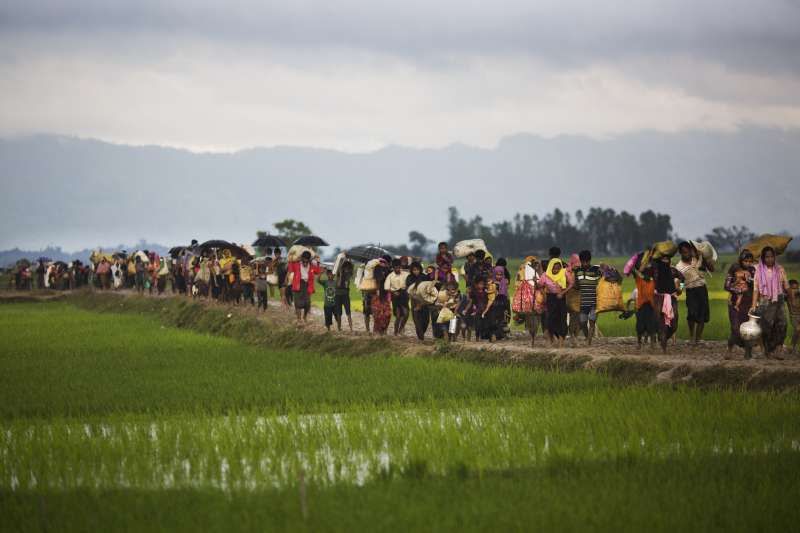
645	292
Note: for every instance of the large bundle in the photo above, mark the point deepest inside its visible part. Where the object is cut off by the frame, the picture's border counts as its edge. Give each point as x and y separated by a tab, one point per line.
573	300
659	250
424	292
337	264
707	252
445	316
98	256
368	281
296	251
609	296
778	242
664	249
469	246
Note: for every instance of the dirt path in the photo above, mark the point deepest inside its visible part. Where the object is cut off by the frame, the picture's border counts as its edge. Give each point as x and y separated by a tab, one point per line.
708	363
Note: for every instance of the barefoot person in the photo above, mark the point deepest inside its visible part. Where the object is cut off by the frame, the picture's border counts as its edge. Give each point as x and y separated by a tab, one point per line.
343	277
419	310
303	273
739	283
587	276
554	281
794	312
668	281
395	284
698	311
769	293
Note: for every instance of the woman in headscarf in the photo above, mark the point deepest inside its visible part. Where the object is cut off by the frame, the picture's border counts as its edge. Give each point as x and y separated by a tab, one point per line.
554	282
419	309
528	298
769	293
739	283
573	299
667	279
497	315
381	304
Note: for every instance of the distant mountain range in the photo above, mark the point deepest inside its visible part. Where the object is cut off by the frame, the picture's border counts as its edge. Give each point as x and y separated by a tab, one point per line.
78	192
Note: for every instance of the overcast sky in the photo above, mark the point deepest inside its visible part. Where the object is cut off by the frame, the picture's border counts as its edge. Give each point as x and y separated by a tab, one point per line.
358	75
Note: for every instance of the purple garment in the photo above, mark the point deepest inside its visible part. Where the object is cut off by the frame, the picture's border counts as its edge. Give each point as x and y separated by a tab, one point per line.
502	285
770	289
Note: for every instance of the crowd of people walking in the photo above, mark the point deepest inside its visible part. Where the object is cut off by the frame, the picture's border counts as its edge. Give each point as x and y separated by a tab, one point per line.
478	301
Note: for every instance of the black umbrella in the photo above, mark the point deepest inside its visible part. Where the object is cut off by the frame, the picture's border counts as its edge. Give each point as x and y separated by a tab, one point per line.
310	240
269	241
219	244
366	253
175	251
238	252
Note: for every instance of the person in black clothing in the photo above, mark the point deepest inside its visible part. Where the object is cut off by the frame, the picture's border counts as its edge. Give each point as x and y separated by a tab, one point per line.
419	310
471	269
668	281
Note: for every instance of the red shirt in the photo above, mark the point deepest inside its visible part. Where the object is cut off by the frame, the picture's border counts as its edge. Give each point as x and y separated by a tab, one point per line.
294	267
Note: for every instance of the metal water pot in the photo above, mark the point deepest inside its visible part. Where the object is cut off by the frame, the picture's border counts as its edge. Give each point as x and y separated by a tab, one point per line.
750	331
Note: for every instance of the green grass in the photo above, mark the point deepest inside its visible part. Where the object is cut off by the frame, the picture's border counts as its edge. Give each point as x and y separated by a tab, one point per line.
114	421
701	494
58	360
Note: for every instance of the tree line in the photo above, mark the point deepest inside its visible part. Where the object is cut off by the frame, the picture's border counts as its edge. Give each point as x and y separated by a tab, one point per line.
603	231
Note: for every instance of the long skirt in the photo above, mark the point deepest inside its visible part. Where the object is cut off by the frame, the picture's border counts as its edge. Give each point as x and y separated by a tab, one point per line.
666	328
381	312
646	321
436	329
422	318
738	317
496	319
773	325
557	316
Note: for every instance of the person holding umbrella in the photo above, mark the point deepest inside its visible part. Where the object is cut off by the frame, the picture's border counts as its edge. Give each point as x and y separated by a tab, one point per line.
302	273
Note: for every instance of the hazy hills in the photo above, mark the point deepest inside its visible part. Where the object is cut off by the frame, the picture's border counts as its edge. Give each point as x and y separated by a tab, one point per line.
77	193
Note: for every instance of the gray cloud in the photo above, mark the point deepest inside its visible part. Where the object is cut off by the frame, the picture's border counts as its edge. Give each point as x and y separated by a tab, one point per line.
760	36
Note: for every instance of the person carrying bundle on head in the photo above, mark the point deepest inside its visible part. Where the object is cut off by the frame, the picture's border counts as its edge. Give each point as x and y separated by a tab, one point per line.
698	310
395	284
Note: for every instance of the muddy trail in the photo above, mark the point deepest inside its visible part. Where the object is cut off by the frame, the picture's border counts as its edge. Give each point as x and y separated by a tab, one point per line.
706	365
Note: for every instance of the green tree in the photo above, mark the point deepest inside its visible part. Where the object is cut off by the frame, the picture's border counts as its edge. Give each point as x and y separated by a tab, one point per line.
290	229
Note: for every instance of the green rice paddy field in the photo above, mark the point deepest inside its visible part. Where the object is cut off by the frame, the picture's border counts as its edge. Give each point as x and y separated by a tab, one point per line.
610	325
113	421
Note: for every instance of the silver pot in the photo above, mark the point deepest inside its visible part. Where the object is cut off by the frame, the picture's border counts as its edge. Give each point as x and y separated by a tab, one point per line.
750	331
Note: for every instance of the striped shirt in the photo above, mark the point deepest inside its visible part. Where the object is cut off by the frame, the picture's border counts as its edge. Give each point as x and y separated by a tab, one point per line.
693	278
586	280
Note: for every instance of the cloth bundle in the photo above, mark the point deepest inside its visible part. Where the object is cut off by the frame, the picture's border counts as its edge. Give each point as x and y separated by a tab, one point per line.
296	251
778	242
464	248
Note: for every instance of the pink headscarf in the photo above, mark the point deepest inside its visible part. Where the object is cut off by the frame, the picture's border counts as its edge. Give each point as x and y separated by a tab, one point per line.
770	288
502	285
574	262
